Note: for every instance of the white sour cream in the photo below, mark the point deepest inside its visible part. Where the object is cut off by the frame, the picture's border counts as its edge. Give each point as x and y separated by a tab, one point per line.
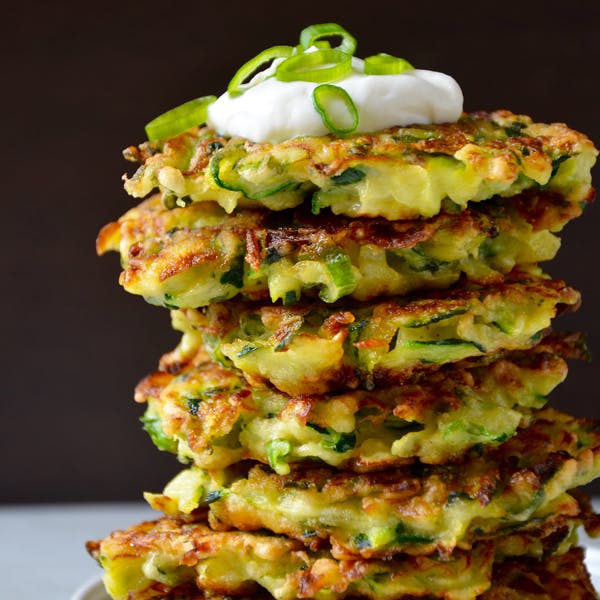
273	111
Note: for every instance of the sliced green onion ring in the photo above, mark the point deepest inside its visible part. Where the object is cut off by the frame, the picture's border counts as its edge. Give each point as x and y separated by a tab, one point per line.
179	119
321	45
319	66
310	36
327	100
236	87
386	64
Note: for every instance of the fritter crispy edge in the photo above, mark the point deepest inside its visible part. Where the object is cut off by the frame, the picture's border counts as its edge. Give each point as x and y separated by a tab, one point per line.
315	348
380	174
209	414
188	257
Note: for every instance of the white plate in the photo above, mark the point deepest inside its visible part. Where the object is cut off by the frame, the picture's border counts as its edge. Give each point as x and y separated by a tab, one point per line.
91	590
592	560
94	590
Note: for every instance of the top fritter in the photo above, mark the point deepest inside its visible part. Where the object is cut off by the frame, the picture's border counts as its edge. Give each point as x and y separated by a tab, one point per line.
313	123
398	173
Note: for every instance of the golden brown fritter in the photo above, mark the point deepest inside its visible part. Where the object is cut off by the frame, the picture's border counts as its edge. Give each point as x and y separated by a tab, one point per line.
173	554
191	256
315	348
398	173
172	559
212	416
416	509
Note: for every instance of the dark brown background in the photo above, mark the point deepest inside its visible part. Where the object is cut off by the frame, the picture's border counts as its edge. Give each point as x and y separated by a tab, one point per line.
79	82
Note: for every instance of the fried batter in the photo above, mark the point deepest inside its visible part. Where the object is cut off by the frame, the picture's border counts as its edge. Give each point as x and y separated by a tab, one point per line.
212	416
192	256
315	348
171	559
398	173
417	509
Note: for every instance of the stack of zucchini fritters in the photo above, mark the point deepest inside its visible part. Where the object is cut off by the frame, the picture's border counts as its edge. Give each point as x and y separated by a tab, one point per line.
366	354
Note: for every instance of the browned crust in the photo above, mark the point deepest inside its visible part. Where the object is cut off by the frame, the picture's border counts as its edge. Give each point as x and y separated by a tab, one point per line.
262	234
384	317
562	577
219	319
536	140
520	467
231	397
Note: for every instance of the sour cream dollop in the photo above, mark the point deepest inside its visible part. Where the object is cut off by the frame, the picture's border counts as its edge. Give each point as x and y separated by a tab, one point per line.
274	111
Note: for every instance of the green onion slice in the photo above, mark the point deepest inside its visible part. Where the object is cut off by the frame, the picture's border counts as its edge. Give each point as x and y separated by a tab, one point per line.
318	66
320	45
338	112
179	119
236	87
339	266
386	64
277	451
310	36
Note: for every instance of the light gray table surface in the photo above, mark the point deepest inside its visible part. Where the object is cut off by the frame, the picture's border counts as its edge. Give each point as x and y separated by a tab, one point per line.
42	547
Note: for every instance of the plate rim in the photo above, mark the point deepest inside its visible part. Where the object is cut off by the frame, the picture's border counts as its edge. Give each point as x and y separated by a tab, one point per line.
91	589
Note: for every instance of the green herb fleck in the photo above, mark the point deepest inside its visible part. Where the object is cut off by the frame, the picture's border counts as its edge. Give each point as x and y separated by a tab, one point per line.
367	411
290	298
487	249
402	427
167	302
246	350
235	275
436	318
317	428
309	534
355	329
406	536
192	405
447	342
536	337
557	162
349	176
214	146
214	496
340	442
456	496
419	261
515	129
272	255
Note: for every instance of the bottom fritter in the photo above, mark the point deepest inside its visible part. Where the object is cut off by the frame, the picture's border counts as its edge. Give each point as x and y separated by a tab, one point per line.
170	559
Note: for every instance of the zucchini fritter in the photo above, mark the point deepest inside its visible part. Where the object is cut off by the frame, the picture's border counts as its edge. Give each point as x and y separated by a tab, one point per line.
417	509
192	256
558	577
212	416
399	173
314	348
162	558
232	563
